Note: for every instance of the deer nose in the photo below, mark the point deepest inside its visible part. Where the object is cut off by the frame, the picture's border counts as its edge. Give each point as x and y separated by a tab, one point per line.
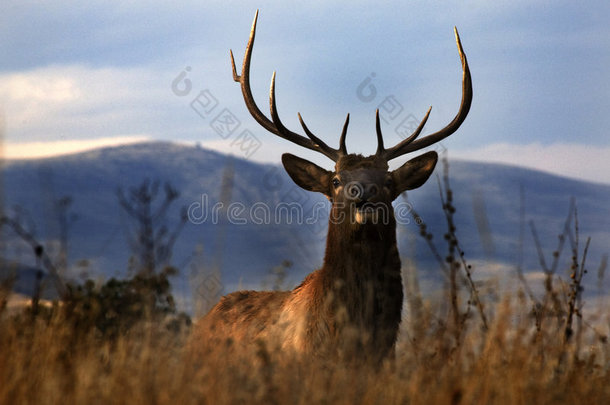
361	192
370	191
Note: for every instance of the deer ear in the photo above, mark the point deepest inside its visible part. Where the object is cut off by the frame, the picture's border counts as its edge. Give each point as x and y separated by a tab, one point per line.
307	175
414	173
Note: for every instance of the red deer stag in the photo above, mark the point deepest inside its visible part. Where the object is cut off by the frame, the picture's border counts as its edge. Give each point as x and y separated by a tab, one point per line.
353	304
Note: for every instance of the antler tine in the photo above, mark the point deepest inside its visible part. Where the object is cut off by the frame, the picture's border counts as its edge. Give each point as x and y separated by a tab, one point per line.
334	154
275	125
342	148
380	148
411	144
313	143
398	150
244	80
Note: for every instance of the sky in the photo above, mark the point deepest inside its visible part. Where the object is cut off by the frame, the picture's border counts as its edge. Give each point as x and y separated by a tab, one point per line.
77	75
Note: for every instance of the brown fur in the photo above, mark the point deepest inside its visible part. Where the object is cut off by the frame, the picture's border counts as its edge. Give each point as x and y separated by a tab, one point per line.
351	307
353	161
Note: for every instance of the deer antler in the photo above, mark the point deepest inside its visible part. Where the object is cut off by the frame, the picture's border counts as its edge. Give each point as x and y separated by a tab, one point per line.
411	143
275	125
312	142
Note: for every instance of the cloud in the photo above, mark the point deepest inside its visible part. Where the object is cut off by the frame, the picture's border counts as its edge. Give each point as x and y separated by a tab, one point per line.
579	161
22	87
34	150
63	102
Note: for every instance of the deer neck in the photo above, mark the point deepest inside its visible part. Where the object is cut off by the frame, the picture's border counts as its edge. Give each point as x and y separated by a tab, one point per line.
360	284
361	255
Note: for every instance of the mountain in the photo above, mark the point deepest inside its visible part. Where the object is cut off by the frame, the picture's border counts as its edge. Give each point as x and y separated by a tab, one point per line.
262	218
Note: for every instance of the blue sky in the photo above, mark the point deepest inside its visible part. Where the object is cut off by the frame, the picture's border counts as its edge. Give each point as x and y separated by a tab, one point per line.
76	75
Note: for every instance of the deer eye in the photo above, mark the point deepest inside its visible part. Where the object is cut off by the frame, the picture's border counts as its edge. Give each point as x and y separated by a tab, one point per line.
336	182
388	182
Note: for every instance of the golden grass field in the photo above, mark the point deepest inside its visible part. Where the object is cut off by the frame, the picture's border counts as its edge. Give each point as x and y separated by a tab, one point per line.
473	342
522	358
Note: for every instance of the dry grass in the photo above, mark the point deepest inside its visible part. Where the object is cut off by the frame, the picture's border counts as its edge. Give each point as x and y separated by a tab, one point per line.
43	360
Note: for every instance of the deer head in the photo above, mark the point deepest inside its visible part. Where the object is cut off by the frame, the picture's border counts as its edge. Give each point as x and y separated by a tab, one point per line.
360	188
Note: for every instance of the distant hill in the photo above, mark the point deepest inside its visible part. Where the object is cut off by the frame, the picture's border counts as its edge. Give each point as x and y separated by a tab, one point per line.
264	227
